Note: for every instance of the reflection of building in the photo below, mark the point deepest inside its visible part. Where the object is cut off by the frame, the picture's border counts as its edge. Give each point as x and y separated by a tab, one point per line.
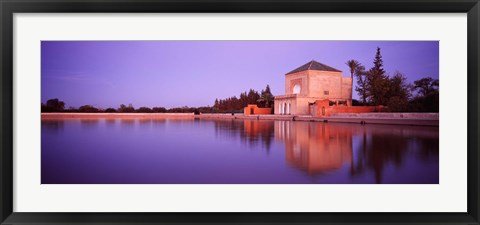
257	128
315	147
309	83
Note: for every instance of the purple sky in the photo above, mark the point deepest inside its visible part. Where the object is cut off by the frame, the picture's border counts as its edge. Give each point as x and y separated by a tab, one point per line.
194	73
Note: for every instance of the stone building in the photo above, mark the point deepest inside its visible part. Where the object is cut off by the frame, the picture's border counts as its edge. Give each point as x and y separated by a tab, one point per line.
312	82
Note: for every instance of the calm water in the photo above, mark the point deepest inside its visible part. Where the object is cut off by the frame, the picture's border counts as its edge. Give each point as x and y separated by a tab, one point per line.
146	151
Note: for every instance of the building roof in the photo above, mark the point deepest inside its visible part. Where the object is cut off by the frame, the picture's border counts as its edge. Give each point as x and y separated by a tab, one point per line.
314	65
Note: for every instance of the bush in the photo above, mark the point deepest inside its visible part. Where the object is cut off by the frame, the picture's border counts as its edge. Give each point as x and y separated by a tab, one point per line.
397	104
144	110
159	109
87	108
110	110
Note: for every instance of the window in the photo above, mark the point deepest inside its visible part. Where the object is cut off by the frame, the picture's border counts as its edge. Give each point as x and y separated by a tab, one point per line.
296	89
325	92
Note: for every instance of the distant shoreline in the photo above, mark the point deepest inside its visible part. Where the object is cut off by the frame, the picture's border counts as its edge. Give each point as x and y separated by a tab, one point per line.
412	119
115	115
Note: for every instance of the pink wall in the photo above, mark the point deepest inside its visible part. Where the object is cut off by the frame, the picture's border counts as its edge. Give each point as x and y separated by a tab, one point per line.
353	109
256	111
329	110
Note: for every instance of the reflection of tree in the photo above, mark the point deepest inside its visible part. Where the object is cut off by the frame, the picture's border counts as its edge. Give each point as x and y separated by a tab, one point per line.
253	132
159	123
227	128
110	122
144	123
427	147
53	125
380	146
89	123
127	123
382	149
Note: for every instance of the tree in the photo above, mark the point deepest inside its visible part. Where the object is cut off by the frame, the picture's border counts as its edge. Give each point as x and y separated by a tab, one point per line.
236	104
427	99
159	109
87	108
426	86
144	110
353	65
362	83
110	110
126	109
243	99
252	96
398	93
266	98
399	87
54	105
378	81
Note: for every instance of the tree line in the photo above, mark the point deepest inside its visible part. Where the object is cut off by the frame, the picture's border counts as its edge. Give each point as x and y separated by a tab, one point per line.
232	104
55	105
263	99
375	87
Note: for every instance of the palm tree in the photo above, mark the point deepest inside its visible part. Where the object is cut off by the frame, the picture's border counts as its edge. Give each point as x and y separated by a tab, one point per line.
267	98
353	65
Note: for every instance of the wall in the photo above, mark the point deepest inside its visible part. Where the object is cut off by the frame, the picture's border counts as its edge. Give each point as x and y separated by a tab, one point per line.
296	78
298	105
281	100
346	88
256	110
329	110
321	81
352	109
301	106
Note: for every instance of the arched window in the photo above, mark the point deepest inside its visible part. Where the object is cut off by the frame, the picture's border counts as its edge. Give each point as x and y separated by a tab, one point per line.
297	88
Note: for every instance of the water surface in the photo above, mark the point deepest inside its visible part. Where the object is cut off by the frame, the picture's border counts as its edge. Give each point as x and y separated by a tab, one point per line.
193	151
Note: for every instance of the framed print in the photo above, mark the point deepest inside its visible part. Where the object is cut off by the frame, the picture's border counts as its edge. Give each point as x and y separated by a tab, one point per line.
263	112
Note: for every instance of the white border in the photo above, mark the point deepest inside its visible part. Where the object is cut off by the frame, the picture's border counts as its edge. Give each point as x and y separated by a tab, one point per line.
449	196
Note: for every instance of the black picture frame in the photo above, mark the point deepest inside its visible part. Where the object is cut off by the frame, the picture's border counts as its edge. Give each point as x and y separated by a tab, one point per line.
9	7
